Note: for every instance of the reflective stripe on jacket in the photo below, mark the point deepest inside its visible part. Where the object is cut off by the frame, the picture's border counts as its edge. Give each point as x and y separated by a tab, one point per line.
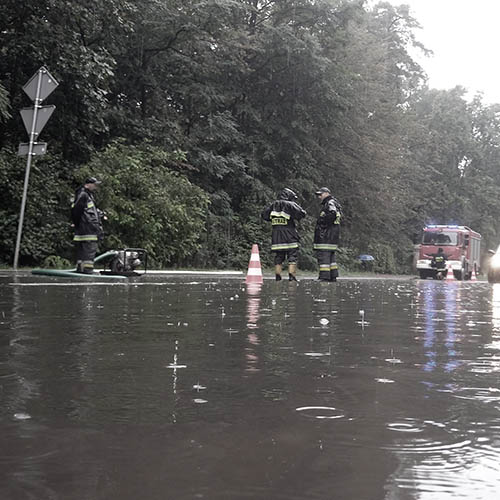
85	216
283	214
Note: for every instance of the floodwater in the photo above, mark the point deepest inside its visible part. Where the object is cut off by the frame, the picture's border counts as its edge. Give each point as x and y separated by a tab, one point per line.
182	388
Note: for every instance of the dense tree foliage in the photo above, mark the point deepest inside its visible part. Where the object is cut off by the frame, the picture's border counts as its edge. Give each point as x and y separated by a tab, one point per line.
136	184
196	113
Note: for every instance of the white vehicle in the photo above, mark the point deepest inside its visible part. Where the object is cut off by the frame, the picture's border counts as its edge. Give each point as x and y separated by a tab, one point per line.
494	267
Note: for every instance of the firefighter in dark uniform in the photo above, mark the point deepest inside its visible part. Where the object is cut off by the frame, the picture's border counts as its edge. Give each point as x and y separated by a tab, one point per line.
88	227
438	259
285	239
326	235
438	262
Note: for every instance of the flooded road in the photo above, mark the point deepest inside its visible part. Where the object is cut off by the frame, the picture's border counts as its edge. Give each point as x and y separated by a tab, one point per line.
182	388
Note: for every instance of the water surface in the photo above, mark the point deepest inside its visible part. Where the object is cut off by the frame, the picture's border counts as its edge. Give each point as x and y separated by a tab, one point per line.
187	388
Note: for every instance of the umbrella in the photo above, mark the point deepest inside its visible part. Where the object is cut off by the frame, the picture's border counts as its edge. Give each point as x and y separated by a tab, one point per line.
365	257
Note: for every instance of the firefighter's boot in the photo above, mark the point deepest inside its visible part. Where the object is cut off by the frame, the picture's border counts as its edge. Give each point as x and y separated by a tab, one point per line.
324	261
334	270
88	267
277	270
292	270
324	273
334	274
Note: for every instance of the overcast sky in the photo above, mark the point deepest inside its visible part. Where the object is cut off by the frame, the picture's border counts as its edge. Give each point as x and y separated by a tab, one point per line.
465	38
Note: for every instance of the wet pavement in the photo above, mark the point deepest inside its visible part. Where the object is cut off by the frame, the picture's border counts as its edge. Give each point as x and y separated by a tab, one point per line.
186	388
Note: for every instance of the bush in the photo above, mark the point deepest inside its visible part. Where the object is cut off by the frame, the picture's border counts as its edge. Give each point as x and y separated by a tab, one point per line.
384	258
56	262
148	205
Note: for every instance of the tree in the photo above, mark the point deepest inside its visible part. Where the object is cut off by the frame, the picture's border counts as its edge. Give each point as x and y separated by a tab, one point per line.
75	40
46	228
257	95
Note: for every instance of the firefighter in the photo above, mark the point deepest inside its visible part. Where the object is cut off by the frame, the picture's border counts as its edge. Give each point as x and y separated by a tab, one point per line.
326	235
438	259
438	262
88	227
285	239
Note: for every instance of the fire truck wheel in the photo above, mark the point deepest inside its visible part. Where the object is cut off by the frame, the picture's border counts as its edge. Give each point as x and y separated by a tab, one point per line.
465	271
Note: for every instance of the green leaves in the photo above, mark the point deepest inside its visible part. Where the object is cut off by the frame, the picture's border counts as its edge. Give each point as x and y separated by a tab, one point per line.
147	204
196	112
4	104
46	229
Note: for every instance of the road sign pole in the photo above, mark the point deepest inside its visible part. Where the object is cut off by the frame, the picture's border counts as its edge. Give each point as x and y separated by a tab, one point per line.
28	167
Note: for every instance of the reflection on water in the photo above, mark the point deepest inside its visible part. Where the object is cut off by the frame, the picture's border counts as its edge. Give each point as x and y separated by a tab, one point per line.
495	308
214	389
439	305
453	452
253	304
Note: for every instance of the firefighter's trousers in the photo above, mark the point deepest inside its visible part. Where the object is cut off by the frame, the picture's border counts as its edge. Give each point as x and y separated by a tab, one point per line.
292	254
85	255
328	269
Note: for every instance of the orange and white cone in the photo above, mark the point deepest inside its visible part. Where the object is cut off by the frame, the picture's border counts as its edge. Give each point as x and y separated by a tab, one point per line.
473	275
450	276
254	274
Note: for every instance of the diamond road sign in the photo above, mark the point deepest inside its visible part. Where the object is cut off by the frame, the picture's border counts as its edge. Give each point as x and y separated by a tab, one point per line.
39	148
47	85
42	117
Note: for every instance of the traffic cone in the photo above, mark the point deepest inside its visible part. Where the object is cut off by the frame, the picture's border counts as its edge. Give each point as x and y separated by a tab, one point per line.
449	275
473	275
254	274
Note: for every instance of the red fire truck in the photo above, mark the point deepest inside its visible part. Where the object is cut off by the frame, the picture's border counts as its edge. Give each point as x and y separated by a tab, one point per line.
461	246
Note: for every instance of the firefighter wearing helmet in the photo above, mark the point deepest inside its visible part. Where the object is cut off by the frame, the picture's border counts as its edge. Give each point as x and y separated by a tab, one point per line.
283	213
326	235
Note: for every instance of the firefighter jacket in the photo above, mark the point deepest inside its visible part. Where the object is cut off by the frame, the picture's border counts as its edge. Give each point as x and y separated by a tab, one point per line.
283	214
438	260
86	216
327	231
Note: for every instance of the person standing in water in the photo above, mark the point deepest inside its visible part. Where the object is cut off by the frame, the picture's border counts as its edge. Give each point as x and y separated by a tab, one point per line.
88	227
326	235
283	213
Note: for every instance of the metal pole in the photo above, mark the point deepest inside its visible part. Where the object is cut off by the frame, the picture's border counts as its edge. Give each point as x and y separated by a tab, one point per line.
28	167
